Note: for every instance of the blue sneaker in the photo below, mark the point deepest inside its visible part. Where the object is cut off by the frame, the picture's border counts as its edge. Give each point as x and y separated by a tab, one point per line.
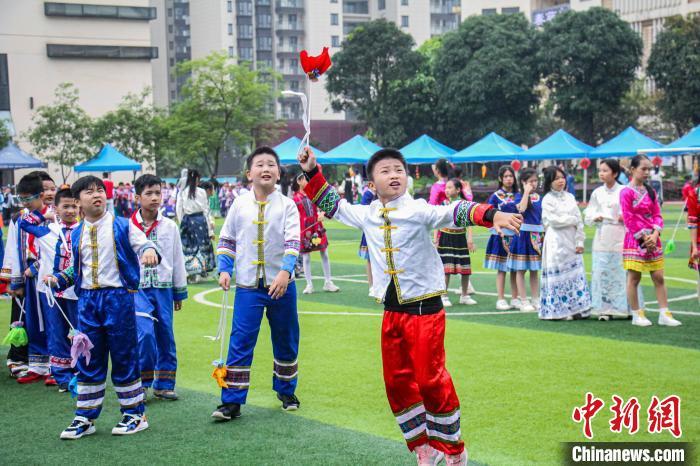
130	424
80	427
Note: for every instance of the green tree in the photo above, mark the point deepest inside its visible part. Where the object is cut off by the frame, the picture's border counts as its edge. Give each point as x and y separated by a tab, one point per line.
486	77
134	128
675	66
5	136
60	132
224	107
588	61
364	76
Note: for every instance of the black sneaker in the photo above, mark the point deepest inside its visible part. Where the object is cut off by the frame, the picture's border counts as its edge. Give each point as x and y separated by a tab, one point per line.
62	387
289	402
227	412
80	427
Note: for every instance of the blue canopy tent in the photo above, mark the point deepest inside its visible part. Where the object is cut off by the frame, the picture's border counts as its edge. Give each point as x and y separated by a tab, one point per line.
490	148
626	144
560	145
108	159
426	150
357	149
689	141
12	157
287	150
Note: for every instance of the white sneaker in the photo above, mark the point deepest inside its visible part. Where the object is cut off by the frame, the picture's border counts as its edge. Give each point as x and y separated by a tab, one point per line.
80	427
130	424
309	289
457	460
330	287
467	299
666	318
471	289
640	320
427	455
525	306
446	301
515	303
502	305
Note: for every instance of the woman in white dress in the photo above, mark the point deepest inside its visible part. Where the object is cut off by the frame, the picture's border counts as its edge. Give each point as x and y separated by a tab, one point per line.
196	228
564	291
608	278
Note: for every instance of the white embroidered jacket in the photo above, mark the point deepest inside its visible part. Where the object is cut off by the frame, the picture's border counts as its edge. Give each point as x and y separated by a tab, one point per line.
258	235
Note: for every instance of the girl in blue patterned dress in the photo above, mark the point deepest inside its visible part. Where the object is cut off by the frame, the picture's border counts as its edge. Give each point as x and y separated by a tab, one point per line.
505	199
526	247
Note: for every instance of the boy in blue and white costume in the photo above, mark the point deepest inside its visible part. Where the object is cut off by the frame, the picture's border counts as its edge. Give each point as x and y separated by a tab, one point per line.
106	272
162	289
261	233
53	239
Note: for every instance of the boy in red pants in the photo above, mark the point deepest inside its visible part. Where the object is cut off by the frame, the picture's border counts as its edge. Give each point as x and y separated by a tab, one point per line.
408	277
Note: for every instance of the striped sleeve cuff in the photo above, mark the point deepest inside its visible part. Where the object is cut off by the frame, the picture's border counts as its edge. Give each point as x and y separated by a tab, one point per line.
468	213
226	247
292	248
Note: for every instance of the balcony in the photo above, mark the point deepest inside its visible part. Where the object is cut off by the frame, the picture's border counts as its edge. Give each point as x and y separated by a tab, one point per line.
289	6
287	27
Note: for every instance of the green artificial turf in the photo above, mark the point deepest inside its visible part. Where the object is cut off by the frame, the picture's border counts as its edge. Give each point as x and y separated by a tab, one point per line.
518	380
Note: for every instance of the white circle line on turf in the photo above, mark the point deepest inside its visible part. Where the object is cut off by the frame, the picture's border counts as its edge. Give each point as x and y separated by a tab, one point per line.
200	298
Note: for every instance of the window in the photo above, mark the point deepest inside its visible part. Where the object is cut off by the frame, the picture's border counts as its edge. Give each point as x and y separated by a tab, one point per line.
100	51
488	11
510	10
293	42
265	43
335	41
245	31
334	19
264	20
230	29
230	52
334	1
404	2
381	4
172	95
229	6
293	64
244	8
101	11
172	62
170	12
4	84
246	53
294	85
404	21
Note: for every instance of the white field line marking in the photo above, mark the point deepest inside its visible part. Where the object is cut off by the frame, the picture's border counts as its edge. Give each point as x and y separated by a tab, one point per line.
201	299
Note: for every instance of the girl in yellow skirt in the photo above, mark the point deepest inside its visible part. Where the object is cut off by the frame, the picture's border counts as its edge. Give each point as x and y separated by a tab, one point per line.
642	251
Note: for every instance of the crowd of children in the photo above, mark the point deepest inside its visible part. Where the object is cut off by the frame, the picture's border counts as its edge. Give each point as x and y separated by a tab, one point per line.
91	287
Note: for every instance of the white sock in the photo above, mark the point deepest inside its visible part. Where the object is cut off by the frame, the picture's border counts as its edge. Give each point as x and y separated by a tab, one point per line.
306	262
663	311
326	264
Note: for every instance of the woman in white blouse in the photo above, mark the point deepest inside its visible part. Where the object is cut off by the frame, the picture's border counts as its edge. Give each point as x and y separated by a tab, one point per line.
196	229
564	291
608	280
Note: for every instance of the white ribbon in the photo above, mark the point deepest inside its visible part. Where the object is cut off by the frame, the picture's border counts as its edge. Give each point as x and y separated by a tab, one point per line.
21	308
221	328
306	118
52	302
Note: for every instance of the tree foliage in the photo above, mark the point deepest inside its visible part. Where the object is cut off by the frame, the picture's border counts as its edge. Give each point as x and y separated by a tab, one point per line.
60	132
675	66
368	76
5	136
224	107
486	76
135	128
588	61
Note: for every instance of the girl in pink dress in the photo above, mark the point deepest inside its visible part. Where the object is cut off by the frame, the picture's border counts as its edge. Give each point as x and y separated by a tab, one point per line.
642	251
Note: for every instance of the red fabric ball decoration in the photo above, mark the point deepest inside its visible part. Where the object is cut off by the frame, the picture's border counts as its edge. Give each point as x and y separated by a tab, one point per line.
585	163
516	165
657	161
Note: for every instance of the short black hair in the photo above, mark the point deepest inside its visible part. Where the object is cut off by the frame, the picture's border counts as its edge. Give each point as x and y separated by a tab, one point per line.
30	184
85	183
259	151
145	181
381	154
64	193
43	175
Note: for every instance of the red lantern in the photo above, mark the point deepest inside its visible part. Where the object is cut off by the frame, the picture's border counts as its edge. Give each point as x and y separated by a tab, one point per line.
417	173
516	165
585	163
657	161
